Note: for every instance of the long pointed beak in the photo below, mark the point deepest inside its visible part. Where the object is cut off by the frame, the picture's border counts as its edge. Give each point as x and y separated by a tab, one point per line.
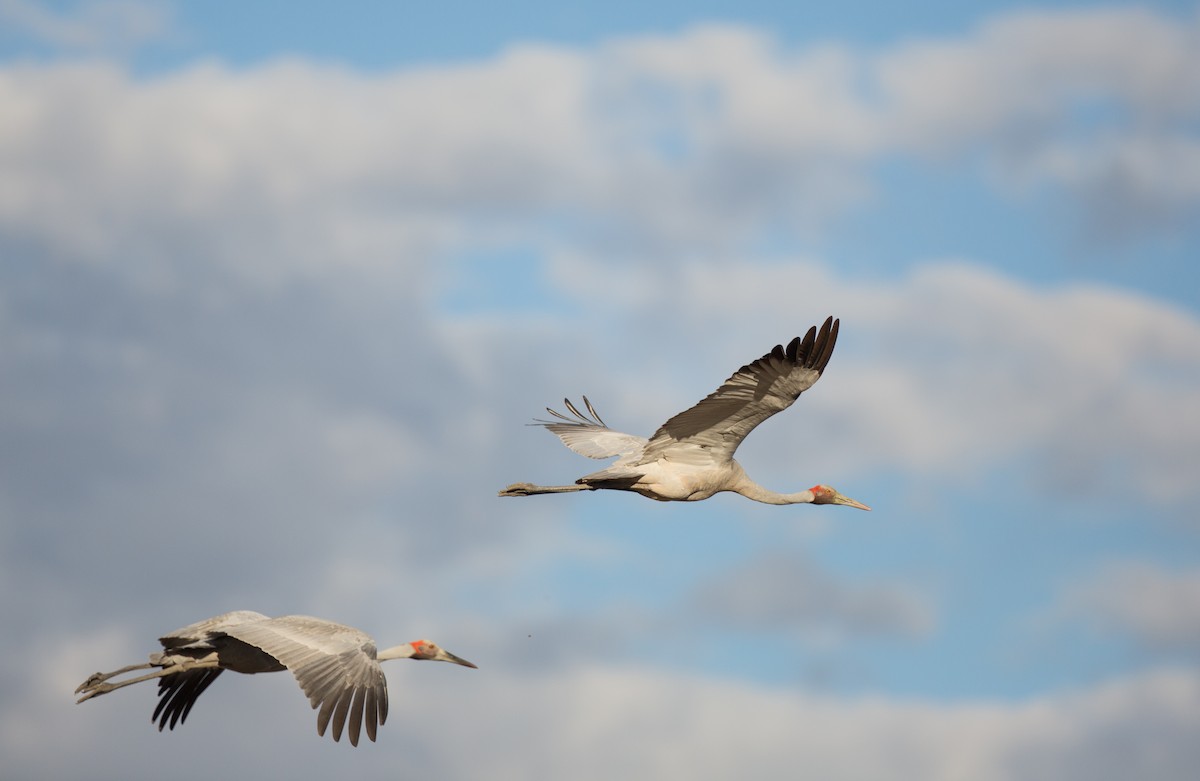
846	500
446	656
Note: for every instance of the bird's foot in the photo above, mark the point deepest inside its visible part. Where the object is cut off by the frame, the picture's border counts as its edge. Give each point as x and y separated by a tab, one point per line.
94	690
91	682
518	489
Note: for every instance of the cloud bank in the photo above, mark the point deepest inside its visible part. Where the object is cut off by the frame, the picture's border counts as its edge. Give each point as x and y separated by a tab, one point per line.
237	372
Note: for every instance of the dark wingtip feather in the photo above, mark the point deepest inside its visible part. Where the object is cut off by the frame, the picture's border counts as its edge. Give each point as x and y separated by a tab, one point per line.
579	420
356	714
592	410
805	349
556	414
814	350
792	348
324	714
340	712
372	713
177	694
825	344
571	408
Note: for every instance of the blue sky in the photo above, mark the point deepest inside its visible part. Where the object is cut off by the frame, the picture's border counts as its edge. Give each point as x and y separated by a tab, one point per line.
379	35
281	285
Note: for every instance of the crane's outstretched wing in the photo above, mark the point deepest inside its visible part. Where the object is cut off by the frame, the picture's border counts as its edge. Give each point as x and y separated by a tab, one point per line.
335	665
204	630
713	429
589	436
178	692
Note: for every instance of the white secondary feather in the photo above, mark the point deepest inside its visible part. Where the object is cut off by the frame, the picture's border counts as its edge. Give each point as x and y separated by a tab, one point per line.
589	436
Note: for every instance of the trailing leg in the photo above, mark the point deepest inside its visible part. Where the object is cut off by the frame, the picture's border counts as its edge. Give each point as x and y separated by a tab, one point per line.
529	489
168	665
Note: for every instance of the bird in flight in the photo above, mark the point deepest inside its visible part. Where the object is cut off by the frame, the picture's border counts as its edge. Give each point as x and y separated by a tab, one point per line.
690	457
337	666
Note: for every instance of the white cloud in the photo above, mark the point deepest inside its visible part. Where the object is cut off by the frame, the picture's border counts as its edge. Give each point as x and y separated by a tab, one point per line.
1035	70
1102	102
597	722
1157	608
678	146
776	593
1125	183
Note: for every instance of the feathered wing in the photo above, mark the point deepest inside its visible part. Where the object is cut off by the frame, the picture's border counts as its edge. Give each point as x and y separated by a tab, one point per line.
713	428
204	630
335	666
177	693
589	436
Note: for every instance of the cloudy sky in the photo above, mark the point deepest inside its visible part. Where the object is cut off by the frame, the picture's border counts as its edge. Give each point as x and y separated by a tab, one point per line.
281	285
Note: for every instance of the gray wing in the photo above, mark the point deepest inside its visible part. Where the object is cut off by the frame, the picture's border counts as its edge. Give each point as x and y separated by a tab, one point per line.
335	666
713	429
204	630
178	692
589	436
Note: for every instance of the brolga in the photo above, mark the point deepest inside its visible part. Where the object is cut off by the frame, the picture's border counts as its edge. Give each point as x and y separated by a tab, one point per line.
337	666
690	457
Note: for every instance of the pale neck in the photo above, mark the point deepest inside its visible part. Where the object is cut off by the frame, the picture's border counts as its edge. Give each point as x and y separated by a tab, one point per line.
752	490
395	652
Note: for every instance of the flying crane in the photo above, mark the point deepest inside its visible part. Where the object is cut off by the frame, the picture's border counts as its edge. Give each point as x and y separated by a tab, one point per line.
337	666
690	457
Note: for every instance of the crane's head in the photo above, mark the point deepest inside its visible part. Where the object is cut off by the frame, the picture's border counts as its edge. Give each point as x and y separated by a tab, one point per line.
424	649
823	494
